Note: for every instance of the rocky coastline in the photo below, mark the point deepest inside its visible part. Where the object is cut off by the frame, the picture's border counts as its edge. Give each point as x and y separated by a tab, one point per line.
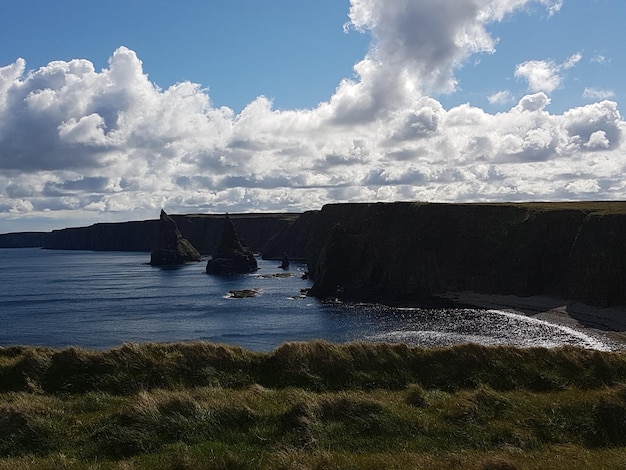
414	252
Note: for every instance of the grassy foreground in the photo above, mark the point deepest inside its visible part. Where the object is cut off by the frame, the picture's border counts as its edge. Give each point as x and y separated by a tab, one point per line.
312	405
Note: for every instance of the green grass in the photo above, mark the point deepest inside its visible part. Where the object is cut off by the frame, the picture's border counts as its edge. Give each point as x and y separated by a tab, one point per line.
591	207
312	405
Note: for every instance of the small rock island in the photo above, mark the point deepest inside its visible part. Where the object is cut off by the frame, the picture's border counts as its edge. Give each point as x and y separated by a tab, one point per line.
230	256
173	249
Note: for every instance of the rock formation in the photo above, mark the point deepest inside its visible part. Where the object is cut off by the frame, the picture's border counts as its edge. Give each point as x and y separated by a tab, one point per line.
172	248
230	256
285	262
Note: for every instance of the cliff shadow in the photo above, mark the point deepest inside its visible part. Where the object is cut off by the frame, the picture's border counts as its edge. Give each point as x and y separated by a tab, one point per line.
600	318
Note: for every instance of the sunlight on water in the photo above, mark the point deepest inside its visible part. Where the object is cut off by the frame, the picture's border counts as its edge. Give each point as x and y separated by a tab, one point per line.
101	300
487	327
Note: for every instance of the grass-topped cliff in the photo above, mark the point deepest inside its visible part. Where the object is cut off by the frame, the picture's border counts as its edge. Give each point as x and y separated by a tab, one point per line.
312	405
402	251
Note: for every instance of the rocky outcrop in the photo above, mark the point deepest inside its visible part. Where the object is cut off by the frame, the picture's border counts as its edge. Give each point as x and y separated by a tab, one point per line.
230	256
416	251
284	264
173	249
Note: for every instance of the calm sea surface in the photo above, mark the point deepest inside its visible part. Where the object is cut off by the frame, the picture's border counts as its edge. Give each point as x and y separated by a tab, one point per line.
101	300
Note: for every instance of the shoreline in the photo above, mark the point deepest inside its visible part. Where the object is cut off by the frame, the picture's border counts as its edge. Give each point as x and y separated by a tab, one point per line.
608	323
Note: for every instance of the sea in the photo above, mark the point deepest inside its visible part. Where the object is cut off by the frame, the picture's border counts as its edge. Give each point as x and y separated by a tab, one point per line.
102	300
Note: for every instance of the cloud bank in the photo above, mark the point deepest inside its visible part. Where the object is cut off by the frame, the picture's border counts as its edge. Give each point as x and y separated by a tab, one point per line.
111	145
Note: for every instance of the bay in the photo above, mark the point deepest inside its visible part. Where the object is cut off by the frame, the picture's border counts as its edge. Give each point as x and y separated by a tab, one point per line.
101	300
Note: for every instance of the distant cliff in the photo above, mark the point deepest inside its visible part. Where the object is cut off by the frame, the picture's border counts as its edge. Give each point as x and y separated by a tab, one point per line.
405	251
202	231
23	239
123	236
295	239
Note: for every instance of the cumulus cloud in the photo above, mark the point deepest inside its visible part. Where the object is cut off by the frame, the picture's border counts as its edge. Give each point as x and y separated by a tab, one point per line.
110	144
417	45
545	75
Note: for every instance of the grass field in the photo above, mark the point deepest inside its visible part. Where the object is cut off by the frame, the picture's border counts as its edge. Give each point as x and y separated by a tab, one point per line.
312	405
590	207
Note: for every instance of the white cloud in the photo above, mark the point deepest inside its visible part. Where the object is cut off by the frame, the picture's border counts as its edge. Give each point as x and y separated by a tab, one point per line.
532	103
553	6
545	75
572	61
416	47
600	58
583	186
598	94
500	97
87	130
109	144
598	140
541	75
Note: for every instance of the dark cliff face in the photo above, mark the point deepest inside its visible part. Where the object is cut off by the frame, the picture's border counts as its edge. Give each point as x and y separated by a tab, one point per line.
23	239
202	231
405	251
126	236
294	239
254	230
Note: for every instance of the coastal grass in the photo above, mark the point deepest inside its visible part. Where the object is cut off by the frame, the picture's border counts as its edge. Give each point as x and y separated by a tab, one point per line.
590	207
312	405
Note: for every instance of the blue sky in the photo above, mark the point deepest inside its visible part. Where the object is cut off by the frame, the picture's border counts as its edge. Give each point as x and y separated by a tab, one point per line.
590	28
237	49
110	111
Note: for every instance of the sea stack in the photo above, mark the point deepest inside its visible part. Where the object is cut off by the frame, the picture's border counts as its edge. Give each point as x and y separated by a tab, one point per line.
173	249
230	256
285	262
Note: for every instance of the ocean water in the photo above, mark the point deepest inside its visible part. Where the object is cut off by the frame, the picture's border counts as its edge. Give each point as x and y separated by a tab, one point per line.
101	300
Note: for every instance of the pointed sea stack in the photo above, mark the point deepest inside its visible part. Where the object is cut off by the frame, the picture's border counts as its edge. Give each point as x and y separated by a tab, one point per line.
173	249
230	256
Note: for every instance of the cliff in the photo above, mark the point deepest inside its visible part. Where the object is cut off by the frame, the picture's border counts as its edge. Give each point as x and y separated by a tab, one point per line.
201	230
294	239
124	236
404	251
23	239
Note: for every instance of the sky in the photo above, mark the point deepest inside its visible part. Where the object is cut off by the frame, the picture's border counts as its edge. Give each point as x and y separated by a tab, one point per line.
111	110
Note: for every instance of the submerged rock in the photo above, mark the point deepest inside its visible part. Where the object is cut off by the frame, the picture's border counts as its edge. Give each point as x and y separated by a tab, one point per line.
173	248
242	293
230	256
